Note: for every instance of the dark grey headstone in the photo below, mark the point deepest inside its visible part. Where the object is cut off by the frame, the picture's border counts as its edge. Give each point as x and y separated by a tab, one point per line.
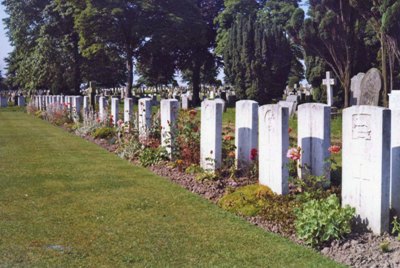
371	85
355	90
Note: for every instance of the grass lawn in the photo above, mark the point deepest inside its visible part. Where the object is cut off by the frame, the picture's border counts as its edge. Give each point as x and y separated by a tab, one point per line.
66	202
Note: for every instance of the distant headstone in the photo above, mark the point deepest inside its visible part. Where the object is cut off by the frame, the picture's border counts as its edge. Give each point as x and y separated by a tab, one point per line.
21	101
314	138
102	108
211	135
3	101
355	89
371	85
246	131
185	102
273	146
366	164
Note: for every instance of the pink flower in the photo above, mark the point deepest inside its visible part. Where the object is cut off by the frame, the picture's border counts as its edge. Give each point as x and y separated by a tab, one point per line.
294	153
120	122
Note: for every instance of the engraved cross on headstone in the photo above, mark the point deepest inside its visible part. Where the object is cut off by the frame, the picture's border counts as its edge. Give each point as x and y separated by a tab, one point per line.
329	82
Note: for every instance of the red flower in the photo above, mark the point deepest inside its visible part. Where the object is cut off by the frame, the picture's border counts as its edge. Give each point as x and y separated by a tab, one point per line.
231	154
193	113
228	138
253	154
290	130
334	149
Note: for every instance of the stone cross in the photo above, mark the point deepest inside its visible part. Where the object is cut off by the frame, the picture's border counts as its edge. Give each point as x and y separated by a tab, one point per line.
329	82
314	138
211	135
169	113
366	164
246	131
273	146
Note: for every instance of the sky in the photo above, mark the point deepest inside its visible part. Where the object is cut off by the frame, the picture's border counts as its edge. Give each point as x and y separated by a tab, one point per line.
5	47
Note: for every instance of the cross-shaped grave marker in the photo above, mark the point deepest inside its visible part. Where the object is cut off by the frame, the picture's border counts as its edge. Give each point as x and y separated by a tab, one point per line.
329	82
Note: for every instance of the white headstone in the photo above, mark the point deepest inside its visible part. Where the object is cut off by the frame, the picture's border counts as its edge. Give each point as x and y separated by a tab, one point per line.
273	146
128	110
356	89
185	102
314	138
169	114
144	111
211	135
246	131
102	108
219	100
366	164
115	110
77	104
329	82
21	101
86	104
3	101
394	106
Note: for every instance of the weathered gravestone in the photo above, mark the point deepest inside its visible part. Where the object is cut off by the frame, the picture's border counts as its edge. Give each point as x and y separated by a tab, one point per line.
371	85
394	106
314	138
169	114
246	131
115	110
144	117
211	135
273	146
128	110
355	90
366	164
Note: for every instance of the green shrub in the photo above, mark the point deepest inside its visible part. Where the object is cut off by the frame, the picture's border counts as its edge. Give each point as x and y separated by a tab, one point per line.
152	156
103	133
319	221
247	201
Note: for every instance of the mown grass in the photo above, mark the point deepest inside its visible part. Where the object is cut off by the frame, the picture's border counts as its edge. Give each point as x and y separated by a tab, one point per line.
65	202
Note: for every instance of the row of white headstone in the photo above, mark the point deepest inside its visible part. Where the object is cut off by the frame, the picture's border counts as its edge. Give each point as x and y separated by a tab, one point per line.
371	146
4	101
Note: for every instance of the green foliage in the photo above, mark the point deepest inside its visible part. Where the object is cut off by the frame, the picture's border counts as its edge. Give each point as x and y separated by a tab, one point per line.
193	169
247	200
152	156
396	227
103	133
385	246
320	221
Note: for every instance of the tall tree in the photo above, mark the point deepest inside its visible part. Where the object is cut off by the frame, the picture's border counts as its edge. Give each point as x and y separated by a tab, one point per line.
383	16
258	54
330	33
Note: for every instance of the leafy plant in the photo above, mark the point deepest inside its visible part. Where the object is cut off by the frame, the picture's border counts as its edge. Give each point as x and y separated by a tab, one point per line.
152	156
396	227
248	200
103	133
385	246
319	221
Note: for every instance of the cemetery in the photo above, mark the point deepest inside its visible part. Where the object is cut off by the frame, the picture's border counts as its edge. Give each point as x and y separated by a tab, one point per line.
200	133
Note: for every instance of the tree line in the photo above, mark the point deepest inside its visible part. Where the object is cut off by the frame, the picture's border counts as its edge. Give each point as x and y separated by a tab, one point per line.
61	44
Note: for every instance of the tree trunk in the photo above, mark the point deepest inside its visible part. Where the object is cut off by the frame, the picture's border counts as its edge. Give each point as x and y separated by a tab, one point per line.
77	63
196	83
129	67
384	72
